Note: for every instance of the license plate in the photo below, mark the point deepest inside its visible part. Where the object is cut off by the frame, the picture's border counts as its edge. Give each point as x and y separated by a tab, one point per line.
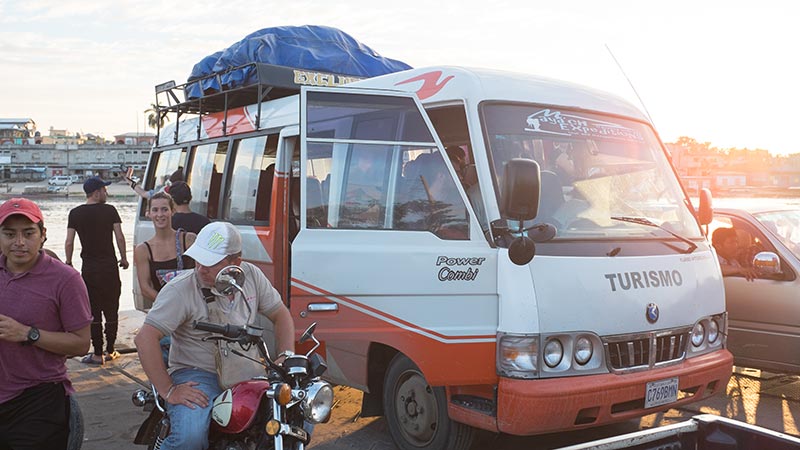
661	392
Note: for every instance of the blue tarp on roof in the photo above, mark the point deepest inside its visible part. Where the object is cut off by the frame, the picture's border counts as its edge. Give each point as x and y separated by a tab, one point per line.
309	47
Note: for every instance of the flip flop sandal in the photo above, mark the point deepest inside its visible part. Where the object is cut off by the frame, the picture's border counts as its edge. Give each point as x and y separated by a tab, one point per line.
111	356
89	360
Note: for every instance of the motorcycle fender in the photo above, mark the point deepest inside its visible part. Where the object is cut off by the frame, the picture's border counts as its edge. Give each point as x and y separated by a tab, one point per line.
147	431
235	408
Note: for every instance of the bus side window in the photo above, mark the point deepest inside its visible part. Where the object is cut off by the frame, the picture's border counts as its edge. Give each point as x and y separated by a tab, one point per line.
166	164
428	199
205	177
251	179
363	203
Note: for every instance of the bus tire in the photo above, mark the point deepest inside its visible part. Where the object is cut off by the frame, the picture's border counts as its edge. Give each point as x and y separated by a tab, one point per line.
75	439
416	413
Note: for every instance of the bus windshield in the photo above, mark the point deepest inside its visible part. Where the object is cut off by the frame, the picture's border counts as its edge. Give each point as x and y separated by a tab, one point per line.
595	170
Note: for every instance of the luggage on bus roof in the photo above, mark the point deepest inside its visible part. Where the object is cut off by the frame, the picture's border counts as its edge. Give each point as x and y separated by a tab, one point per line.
308	47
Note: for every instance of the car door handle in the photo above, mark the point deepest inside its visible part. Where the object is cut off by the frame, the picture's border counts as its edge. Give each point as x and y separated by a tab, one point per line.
319	307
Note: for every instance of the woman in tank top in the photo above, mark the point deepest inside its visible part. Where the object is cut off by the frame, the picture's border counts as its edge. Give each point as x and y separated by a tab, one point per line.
160	258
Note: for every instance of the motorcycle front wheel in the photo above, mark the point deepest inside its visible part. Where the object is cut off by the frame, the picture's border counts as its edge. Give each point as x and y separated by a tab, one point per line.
75	440
417	413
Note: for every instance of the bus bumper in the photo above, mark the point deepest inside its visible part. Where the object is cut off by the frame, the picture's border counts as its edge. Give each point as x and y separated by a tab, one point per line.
528	407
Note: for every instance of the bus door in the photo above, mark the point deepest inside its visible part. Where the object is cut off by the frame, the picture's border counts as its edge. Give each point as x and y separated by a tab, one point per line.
387	250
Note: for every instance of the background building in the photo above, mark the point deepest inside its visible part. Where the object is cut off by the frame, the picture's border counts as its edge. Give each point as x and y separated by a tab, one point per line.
17	131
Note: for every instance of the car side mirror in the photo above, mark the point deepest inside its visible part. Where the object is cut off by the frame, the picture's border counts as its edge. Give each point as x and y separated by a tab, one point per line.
767	263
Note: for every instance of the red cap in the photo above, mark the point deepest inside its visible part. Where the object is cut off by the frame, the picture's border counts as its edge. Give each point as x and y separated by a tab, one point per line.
20	206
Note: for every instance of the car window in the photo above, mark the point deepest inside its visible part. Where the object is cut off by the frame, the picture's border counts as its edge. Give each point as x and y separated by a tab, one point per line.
785	225
750	239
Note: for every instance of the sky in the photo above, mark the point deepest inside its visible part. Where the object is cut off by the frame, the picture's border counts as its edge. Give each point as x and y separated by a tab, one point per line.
723	72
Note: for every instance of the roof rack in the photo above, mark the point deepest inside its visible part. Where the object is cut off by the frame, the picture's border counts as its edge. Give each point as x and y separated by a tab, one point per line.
216	93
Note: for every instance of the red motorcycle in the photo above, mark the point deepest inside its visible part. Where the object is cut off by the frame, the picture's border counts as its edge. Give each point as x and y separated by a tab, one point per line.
274	411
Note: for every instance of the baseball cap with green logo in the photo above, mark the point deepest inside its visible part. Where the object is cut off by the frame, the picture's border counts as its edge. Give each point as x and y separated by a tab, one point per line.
214	242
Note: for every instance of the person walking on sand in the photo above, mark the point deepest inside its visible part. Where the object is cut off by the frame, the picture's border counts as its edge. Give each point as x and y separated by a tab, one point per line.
161	258
44	318
96	222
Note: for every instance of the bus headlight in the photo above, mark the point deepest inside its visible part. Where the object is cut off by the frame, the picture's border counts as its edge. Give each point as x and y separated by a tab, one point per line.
583	350
713	331
318	402
553	353
517	355
698	334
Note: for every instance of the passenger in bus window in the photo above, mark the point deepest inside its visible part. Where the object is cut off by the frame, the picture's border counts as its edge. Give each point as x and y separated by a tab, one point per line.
432	202
363	196
457	158
575	161
726	242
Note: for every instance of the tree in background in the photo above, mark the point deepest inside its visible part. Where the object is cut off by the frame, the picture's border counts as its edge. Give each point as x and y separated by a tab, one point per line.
153	119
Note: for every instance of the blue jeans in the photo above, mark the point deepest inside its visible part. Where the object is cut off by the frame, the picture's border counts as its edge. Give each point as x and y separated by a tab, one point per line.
165	343
189	427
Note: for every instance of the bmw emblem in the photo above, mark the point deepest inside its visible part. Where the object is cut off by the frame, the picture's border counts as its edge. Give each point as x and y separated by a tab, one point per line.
652	313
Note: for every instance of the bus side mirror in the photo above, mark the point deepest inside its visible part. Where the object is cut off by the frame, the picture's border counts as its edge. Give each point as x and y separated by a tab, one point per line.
520	202
521	185
705	213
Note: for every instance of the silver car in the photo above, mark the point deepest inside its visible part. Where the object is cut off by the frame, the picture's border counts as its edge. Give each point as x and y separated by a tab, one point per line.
764	314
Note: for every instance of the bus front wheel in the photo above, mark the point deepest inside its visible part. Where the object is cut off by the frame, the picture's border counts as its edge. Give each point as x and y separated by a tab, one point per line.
417	413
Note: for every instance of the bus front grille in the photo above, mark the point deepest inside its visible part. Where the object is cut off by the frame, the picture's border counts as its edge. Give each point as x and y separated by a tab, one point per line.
641	351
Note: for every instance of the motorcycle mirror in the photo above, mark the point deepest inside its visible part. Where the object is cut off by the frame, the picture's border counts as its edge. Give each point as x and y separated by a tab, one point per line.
308	334
229	279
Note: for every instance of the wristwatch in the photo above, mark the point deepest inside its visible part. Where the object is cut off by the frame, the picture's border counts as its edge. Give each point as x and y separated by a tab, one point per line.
33	336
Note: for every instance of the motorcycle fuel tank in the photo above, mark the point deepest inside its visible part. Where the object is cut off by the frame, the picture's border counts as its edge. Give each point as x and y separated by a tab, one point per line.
235	408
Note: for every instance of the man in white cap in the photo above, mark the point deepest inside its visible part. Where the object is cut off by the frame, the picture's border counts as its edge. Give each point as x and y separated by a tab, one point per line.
192	381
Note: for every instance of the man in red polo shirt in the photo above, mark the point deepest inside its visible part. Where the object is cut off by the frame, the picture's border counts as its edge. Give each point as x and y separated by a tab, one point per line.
44	317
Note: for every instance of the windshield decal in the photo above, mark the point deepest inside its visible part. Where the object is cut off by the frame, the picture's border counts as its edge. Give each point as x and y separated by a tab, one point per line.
551	122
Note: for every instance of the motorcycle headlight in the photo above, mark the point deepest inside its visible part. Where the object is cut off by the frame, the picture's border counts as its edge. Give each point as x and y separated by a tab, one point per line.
318	402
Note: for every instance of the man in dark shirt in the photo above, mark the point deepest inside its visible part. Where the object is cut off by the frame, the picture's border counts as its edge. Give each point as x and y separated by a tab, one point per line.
95	221
184	218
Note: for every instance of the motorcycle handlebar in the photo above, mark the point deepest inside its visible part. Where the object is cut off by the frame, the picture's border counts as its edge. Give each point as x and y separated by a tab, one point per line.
230	331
